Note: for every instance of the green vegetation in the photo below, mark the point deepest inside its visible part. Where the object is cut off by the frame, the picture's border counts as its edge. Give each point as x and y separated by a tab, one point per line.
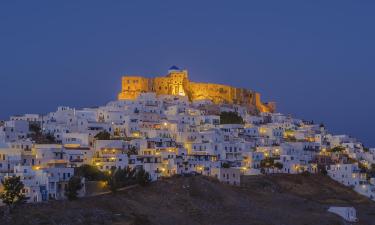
305	173
371	171
270	163
291	139
119	178
278	165
50	139
132	151
225	165
337	149
103	135
39	137
34	128
368	169
74	185
322	169
91	173
12	194
143	178
230	118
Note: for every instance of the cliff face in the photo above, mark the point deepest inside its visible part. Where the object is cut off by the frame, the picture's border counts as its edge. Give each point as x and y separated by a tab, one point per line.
178	83
261	200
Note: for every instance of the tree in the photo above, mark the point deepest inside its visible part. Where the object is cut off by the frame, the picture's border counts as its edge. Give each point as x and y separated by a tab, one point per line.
278	165
126	176
50	138
132	151
74	185
103	135
112	180
371	171
143	178
270	163
305	173
230	118
338	149
12	194
267	163
225	165
91	173
118	178
35	128
322	169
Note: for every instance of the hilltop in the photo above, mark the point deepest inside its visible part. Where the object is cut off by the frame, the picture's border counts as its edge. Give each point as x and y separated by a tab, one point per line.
261	200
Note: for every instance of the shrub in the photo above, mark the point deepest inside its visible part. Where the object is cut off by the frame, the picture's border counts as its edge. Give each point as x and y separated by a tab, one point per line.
225	165
143	178
103	135
74	185
12	194
278	165
91	173
230	118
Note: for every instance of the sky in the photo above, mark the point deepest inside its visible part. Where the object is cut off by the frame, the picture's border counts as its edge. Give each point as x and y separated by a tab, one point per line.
314	58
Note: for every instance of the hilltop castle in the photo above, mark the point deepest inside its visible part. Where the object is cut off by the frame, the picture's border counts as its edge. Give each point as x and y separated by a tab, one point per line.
177	82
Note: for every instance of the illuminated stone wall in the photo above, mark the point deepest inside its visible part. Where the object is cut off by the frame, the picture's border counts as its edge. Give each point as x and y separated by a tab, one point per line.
177	83
132	86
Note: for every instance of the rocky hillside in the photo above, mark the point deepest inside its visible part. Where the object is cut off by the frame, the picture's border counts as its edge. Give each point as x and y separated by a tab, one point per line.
262	200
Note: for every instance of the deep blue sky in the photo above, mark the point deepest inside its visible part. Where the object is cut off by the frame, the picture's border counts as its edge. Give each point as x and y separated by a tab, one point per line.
314	58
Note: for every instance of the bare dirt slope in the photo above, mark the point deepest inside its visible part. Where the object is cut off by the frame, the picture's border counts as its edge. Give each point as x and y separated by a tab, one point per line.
262	200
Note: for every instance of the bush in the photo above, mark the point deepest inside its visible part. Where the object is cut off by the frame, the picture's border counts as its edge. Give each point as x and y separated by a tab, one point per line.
50	138
278	165
12	194
91	173
103	135
338	149
143	178
74	185
305	173
35	128
119	178
132	151
230	118
322	169
225	165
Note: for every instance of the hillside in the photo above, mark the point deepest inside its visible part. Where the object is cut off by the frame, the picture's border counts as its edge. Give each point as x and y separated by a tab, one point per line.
262	200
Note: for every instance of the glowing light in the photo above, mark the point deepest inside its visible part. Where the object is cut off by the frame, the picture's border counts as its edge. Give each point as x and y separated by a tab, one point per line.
72	145
36	168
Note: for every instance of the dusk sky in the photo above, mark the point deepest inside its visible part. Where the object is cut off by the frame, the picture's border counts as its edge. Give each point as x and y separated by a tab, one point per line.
314	58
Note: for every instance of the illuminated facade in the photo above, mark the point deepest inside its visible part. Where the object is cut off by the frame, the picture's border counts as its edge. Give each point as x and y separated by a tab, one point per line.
177	82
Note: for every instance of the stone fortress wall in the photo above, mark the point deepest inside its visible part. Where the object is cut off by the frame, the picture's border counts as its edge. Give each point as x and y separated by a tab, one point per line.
176	82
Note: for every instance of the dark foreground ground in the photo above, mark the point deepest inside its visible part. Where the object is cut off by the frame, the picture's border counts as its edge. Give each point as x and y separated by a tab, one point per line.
262	200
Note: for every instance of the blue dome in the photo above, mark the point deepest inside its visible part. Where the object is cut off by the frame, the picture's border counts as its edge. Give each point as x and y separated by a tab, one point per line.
174	68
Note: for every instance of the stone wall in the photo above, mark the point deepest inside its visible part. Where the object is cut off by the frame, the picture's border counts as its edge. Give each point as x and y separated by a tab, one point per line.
177	83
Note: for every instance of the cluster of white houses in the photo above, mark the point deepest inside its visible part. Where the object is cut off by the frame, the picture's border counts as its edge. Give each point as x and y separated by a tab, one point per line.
168	135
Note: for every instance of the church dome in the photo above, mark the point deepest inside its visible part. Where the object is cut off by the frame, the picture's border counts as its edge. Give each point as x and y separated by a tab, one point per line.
174	68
